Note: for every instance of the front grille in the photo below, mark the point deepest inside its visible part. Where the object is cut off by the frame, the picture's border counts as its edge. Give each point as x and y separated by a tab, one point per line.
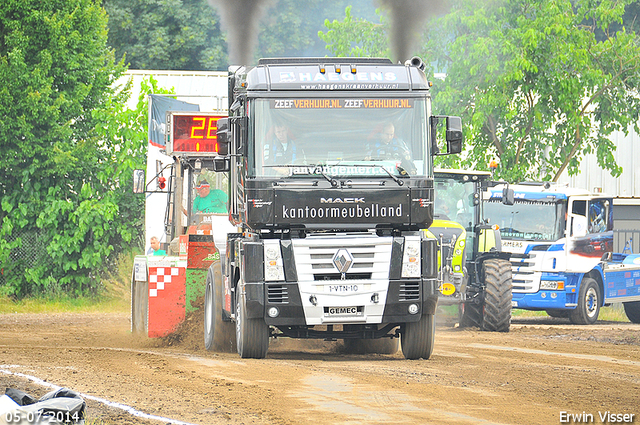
526	271
314	257
277	294
338	276
409	291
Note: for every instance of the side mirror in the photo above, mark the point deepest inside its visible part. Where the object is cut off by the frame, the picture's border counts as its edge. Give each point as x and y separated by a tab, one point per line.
508	197
138	181
221	164
223	136
454	135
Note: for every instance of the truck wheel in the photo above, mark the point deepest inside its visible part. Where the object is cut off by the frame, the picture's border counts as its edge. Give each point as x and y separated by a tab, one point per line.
561	314
252	335
632	310
139	303
470	315
218	334
371	346
417	338
497	295
589	300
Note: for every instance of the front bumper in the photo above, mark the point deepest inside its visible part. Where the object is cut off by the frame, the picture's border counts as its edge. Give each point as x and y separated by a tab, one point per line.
296	308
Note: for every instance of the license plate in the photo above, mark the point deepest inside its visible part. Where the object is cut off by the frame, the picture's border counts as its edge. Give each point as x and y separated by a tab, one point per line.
343	311
343	288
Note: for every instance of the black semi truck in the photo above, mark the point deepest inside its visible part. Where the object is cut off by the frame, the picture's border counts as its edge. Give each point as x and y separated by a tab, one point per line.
330	164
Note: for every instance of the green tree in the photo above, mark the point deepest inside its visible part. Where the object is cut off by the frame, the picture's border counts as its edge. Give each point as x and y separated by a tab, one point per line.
167	34
356	37
536	87
187	35
290	27
67	147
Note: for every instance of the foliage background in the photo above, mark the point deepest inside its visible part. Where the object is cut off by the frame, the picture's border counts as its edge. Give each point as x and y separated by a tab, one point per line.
67	147
187	34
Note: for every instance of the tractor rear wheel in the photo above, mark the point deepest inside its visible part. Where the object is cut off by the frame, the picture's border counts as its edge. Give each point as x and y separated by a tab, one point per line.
470	314
497	295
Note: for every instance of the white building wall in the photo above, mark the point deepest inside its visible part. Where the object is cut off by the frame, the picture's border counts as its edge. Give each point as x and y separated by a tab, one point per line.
625	189
205	88
594	178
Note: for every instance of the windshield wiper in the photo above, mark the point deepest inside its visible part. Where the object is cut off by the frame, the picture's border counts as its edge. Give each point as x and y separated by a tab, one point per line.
317	169
313	169
395	179
389	173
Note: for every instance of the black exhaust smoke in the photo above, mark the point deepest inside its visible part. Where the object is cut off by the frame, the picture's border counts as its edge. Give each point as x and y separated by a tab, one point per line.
240	19
407	20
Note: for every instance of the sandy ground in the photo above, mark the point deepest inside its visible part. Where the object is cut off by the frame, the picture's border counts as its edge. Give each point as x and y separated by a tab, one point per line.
531	375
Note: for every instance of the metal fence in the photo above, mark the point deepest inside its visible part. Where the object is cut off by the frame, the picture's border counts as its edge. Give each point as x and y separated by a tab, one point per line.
626	240
32	251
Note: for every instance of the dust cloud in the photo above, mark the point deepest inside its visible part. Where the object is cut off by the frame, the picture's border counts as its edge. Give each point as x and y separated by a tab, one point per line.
407	20
241	20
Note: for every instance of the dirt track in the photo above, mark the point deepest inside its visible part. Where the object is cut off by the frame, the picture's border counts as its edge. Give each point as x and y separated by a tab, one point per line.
528	376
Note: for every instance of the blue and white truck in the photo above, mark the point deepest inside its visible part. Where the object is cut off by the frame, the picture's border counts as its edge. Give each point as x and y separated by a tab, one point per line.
562	240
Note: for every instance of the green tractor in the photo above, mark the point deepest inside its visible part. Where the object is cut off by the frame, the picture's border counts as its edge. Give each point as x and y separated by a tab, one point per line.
473	273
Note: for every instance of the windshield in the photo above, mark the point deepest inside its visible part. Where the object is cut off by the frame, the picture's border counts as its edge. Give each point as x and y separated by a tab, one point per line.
526	220
204	195
347	137
454	201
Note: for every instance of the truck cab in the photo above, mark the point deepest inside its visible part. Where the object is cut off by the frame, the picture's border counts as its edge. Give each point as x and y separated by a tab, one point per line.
561	235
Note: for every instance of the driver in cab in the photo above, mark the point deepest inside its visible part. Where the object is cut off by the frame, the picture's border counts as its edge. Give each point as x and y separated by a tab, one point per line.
388	146
209	201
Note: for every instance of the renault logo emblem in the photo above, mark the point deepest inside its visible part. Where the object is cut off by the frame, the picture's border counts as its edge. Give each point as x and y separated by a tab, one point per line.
342	260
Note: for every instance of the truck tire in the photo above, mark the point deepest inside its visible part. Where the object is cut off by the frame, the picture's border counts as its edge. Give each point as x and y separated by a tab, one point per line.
497	295
139	307
417	338
218	335
589	300
561	314
632	310
252	335
371	346
470	315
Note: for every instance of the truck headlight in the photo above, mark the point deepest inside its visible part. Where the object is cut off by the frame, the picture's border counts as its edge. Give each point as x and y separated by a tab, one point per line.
553	285
273	269
411	266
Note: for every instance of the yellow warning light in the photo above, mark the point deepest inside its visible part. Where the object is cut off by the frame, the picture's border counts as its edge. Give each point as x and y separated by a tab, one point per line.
448	289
